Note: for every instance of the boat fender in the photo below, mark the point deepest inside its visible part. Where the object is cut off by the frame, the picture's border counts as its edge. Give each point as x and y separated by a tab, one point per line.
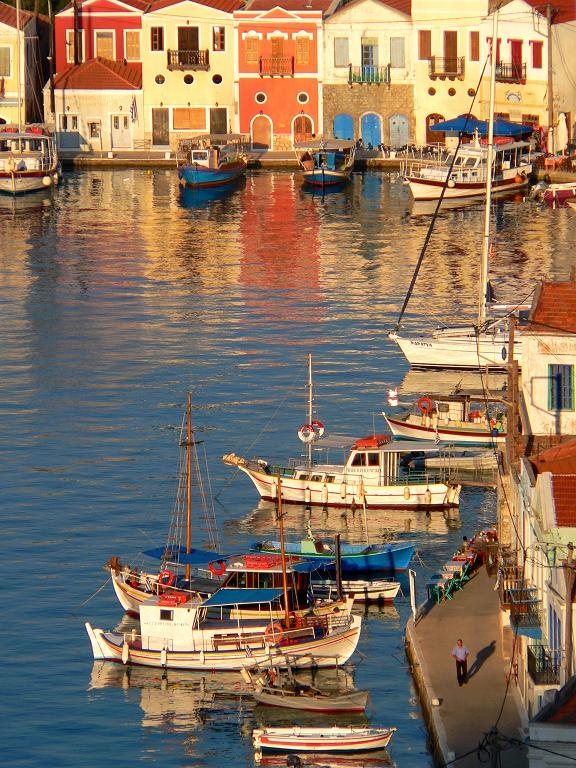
307	495
324	494
306	433
217	568
273	632
451	183
343	490
427	496
46	180
125	652
406	492
425	405
163	657
318	427
166	578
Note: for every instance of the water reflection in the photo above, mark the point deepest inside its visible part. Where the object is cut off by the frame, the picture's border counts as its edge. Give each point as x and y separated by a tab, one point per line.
198	197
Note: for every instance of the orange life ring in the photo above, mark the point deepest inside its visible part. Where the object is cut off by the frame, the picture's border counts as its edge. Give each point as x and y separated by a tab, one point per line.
274	631
425	405
217	568
306	433
166	578
318	427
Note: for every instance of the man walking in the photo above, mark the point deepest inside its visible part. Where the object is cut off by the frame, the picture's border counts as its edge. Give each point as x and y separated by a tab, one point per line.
460	653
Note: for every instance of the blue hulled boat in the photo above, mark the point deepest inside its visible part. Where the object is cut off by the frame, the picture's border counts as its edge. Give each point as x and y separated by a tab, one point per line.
210	160
356	559
326	162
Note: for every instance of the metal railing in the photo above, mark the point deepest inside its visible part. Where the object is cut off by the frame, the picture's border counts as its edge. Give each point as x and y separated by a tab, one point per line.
277	66
543	665
510	73
369	74
441	66
181	59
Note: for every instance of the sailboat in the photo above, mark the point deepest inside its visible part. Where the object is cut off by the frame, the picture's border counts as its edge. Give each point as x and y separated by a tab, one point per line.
28	156
487	344
375	474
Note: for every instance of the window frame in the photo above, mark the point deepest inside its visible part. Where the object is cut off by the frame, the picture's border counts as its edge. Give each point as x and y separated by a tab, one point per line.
560	387
108	32
219	38
424	44
251	50
398	56
69	45
474	45
537	53
339	52
157	39
138	34
8	49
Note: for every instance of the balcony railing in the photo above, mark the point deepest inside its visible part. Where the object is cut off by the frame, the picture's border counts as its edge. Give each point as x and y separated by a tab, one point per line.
511	73
543	665
369	74
277	66
442	67
189	59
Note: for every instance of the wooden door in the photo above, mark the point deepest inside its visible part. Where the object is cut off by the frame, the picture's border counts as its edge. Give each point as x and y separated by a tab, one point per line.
302	129
261	132
218	120
160	129
188	38
450	52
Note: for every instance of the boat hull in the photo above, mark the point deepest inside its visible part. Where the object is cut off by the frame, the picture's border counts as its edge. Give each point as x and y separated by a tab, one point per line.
330	650
431	189
326	178
349	492
385	557
457	352
322	740
473	434
21	183
377	591
199	176
349	702
559	193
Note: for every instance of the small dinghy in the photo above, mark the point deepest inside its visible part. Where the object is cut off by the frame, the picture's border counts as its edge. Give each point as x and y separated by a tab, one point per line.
336	739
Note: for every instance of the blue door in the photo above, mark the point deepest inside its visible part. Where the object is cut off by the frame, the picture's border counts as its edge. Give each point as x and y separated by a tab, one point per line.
343	127
371	130
398	131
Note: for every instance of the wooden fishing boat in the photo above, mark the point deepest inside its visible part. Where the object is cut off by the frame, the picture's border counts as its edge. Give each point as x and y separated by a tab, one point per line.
277	689
326	162
459	419
336	739
363	590
176	632
210	160
555	192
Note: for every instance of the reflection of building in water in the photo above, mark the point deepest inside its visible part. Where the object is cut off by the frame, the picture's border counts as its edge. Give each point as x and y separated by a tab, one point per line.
355	527
445	382
173	699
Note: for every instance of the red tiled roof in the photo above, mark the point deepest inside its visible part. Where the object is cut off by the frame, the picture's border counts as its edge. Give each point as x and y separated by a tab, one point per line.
293	6
101	75
403	6
227	6
554	308
561	459
8	16
565	10
564	491
139	5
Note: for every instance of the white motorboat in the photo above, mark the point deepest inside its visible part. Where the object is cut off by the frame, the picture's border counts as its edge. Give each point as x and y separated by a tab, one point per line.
336	739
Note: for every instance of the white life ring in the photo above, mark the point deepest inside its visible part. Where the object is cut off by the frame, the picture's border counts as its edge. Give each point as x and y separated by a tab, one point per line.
318	427
306	433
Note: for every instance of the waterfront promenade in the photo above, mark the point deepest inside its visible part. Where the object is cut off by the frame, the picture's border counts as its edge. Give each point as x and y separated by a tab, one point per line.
459	717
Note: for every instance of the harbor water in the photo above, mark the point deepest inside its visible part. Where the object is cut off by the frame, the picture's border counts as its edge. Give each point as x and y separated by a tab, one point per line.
120	294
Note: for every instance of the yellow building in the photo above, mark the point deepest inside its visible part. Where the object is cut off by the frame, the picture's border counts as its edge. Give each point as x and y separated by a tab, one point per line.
188	70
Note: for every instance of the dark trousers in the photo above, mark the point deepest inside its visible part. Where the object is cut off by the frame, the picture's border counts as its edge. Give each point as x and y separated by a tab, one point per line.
461	671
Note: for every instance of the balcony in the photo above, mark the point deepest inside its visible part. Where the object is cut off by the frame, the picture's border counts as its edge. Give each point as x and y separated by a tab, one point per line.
197	60
441	68
369	74
543	665
277	66
511	73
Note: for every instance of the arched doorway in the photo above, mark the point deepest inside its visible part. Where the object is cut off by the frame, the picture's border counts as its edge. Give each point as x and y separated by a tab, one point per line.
343	127
434	137
301	129
261	130
399	134
371	130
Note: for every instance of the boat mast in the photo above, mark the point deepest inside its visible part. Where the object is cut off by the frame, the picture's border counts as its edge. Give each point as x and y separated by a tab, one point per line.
309	414
283	551
483	286
18	68
188	485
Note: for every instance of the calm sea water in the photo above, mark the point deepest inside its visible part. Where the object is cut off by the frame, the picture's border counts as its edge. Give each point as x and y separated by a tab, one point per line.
119	295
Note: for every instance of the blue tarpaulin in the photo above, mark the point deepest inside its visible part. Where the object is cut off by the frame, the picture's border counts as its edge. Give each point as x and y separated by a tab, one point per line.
243	596
175	554
501	127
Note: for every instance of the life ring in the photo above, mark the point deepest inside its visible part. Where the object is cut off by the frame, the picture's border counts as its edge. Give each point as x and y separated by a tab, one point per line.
318	427
425	405
273	631
217	568
306	433
166	578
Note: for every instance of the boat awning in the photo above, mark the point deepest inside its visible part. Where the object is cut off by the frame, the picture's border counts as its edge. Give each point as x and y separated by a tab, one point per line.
334	441
231	596
176	554
501	127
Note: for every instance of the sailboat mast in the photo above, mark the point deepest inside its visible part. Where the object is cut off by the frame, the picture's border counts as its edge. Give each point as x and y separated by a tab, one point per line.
310	414
188	483
18	67
283	551
483	286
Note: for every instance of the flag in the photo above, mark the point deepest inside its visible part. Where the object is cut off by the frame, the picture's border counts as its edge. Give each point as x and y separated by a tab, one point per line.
133	110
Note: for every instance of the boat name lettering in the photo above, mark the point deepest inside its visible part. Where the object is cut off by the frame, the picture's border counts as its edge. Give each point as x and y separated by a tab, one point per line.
421	344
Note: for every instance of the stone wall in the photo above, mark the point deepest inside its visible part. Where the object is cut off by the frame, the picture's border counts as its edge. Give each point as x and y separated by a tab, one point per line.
358	99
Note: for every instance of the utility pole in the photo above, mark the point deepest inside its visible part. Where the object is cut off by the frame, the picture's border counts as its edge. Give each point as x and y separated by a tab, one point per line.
51	59
512	399
76	35
551	127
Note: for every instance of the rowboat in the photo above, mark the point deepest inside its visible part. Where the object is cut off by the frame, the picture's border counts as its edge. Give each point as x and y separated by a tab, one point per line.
210	160
363	590
336	739
326	162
